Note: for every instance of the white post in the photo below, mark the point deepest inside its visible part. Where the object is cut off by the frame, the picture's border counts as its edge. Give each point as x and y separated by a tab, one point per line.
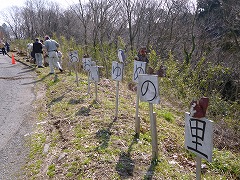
88	91
153	132
76	73
137	118
198	168
96	91
69	68
117	94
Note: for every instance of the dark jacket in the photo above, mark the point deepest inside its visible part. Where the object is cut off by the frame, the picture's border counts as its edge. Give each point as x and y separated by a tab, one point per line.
37	47
143	58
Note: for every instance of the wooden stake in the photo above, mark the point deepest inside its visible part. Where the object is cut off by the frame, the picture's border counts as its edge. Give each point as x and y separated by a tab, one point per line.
76	74
153	132
117	94
198	168
88	91
137	118
96	96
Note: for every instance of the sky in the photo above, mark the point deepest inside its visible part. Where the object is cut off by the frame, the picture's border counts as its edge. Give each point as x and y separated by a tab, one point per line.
9	3
63	3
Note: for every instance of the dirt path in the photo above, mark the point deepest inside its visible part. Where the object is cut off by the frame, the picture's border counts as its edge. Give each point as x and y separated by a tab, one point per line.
16	118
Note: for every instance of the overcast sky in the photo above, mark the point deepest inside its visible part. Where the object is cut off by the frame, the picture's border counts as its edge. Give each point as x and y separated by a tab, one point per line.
5	4
63	3
9	3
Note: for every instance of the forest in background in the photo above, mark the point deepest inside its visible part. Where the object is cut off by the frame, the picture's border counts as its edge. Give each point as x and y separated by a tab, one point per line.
198	44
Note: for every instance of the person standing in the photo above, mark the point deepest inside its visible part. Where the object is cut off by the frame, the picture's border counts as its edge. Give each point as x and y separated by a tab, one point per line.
37	49
7	46
51	47
45	55
60	55
2	46
142	55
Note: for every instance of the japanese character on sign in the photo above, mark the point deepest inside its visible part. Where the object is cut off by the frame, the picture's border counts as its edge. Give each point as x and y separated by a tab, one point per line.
87	62
149	88
117	71
139	68
73	56
198	136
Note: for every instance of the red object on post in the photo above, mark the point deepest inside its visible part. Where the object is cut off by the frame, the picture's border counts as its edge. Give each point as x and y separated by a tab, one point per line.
198	109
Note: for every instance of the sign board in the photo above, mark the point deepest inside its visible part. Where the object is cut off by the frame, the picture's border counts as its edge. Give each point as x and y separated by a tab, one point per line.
199	136
117	71
86	63
149	88
139	68
73	56
94	74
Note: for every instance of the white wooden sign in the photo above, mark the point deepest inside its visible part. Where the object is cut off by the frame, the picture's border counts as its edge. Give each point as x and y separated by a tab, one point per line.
117	71
94	74
199	136
139	68
149	88
86	63
73	56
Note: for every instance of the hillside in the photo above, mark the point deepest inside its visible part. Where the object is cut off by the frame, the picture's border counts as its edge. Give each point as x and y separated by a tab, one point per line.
77	137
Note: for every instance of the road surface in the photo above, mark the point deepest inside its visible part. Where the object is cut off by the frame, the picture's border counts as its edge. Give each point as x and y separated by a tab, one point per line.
16	117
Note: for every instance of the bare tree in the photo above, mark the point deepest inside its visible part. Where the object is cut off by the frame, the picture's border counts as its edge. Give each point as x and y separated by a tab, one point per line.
82	12
69	26
14	20
134	11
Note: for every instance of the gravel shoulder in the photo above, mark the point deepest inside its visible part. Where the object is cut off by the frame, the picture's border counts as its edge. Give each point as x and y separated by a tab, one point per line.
17	117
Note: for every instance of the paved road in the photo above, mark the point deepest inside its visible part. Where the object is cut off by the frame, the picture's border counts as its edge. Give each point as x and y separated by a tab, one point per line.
16	97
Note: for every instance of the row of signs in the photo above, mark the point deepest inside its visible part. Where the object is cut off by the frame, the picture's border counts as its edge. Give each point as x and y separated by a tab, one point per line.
147	84
198	132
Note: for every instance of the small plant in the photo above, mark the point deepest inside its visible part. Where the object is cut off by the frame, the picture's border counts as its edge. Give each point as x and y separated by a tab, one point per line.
168	116
37	145
226	162
51	170
69	174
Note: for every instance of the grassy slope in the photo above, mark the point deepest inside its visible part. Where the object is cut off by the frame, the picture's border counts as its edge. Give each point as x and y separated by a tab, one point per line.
85	142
